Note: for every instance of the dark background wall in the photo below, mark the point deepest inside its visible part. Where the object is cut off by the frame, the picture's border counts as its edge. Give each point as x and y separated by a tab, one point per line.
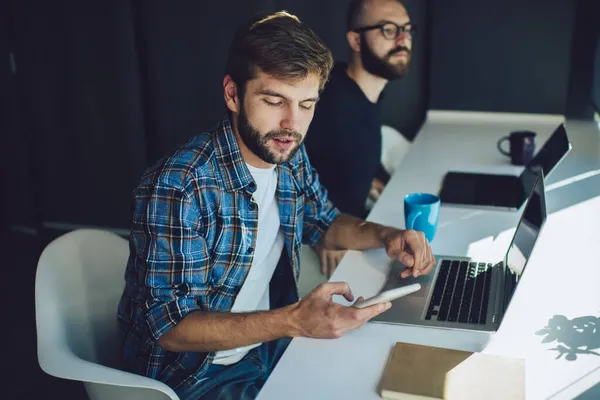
596	87
16	195
183	47
508	56
78	82
103	89
586	33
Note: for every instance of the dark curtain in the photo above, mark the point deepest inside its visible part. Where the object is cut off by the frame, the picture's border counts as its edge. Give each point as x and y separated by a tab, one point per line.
79	80
17	205
106	88
182	48
103	89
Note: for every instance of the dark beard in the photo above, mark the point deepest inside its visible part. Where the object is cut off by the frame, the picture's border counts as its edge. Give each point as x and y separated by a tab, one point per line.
258	144
381	66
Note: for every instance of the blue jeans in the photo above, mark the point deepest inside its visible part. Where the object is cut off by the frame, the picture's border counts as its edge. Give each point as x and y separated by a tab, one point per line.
240	381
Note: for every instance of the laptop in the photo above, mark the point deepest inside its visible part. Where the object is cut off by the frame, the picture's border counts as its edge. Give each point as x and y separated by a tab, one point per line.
507	192
469	294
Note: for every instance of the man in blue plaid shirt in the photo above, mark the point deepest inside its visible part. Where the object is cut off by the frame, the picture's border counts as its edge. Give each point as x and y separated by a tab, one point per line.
210	301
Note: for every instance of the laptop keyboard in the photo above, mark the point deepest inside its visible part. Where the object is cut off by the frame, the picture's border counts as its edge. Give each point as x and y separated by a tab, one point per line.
461	292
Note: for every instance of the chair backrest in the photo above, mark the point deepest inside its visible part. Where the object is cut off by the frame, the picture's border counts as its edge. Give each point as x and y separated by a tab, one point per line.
394	147
79	282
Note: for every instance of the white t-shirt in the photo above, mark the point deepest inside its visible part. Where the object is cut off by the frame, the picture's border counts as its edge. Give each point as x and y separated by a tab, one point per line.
254	294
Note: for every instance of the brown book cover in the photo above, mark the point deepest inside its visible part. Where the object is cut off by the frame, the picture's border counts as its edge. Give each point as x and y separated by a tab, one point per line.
416	372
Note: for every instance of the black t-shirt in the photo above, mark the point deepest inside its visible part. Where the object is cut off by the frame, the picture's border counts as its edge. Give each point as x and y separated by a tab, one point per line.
344	142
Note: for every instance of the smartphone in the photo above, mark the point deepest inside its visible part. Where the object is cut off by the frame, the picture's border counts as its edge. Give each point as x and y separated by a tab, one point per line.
388	295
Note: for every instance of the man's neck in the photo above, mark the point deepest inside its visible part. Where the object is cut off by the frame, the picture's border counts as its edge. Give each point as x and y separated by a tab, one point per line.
371	85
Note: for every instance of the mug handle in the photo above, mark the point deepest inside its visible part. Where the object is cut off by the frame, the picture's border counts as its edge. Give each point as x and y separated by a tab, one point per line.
412	217
499	145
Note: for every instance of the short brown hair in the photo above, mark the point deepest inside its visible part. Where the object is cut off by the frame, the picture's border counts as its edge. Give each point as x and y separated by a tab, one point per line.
279	45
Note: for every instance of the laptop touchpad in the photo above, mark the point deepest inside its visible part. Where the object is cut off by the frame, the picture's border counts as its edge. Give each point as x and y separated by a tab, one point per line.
394	280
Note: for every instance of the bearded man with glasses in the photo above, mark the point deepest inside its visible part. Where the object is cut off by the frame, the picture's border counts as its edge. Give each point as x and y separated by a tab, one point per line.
344	143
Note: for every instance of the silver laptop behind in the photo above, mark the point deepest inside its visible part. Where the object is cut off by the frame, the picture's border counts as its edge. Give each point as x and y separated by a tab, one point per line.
462	293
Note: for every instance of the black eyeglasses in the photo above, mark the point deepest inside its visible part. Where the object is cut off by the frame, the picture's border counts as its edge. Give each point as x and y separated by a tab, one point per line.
390	30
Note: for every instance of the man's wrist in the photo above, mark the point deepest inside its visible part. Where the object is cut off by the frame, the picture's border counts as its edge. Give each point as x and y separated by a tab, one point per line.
386	232
289	321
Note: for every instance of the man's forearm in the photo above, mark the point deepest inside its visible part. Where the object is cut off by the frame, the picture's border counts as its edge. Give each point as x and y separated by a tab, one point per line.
213	331
348	232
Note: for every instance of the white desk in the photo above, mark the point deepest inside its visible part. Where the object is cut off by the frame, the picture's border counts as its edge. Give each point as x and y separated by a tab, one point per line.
562	278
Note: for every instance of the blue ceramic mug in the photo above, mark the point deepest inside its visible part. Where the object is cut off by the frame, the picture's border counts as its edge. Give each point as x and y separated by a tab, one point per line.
422	213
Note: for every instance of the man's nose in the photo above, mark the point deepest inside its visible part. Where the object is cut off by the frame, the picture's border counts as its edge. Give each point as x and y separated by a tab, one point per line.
291	119
403	39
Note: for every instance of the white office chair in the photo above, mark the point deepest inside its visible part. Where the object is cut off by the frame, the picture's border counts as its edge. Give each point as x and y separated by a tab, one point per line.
78	285
394	147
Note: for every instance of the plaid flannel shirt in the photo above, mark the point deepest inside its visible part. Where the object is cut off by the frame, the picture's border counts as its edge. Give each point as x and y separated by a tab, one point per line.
193	234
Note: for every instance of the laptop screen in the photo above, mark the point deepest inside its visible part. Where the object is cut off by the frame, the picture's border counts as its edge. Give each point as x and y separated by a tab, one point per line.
548	157
526	234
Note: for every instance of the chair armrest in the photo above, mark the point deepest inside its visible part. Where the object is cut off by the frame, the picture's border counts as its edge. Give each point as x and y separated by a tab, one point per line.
62	363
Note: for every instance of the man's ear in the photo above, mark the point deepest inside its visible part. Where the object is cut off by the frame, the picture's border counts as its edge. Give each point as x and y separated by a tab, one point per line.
230	93
354	41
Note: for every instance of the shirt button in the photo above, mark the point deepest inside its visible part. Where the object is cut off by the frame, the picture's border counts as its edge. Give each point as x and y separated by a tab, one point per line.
250	250
181	290
252	206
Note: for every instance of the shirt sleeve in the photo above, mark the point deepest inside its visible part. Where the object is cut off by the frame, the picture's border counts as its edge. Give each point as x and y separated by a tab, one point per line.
171	255
319	211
